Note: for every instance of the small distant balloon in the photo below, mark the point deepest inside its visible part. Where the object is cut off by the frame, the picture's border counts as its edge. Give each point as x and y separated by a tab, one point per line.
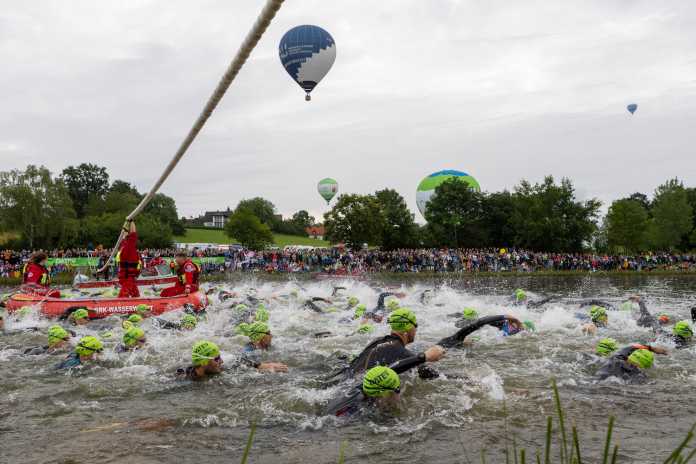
327	188
307	54
632	108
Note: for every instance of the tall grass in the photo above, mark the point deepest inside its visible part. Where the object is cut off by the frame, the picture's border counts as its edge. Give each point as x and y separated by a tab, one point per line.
568	449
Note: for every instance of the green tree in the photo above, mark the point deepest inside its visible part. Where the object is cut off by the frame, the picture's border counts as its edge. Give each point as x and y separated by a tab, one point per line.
85	182
121	186
354	220
547	217
163	208
689	242
498	209
263	209
626	222
248	230
38	207
399	227
642	199
455	215
672	216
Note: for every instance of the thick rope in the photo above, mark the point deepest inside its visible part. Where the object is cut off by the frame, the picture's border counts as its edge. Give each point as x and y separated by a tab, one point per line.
252	38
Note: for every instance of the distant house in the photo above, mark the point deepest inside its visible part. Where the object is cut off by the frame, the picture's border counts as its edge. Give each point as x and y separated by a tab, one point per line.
316	232
212	219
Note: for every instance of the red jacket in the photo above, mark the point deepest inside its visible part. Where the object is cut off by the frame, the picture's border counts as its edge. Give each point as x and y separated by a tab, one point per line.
36	274
128	259
188	274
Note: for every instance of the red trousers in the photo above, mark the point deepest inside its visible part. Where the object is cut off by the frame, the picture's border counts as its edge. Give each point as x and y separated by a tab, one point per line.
129	289
173	291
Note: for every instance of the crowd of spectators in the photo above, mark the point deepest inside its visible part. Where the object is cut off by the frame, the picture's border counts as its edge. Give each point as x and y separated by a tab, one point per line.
343	261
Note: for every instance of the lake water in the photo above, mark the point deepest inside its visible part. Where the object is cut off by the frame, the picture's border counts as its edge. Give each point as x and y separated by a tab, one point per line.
130	408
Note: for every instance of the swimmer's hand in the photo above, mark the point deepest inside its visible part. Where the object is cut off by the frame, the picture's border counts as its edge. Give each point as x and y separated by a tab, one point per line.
272	367
434	353
515	323
658	350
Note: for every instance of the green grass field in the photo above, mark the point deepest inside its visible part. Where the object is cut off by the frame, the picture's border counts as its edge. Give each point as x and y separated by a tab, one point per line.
218	236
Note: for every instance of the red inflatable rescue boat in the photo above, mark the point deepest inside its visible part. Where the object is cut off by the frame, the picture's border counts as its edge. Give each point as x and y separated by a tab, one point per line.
104	307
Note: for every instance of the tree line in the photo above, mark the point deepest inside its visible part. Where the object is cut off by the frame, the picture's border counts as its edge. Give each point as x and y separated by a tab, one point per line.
82	206
79	207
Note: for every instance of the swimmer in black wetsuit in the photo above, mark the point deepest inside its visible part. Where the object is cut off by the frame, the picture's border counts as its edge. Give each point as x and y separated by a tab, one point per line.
628	363
520	298
683	334
391	348
311	304
379	388
58	340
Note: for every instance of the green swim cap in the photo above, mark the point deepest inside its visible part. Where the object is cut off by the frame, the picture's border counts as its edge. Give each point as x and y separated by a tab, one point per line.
380	381
132	336
89	345
520	294
127	324
142	309
106	334
626	306
365	328
24	311
683	329
392	304
56	334
470	314
331	309
257	331
352	301
203	352
242	329
642	358
293	293
135	319
598	315
359	311
189	321
261	315
529	325
80	314
241	307
606	346
402	320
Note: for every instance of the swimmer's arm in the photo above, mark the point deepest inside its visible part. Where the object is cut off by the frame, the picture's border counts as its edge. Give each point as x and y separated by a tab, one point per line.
460	335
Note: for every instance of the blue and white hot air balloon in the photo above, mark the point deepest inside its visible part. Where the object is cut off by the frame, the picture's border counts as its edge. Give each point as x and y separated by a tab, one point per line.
632	108
307	54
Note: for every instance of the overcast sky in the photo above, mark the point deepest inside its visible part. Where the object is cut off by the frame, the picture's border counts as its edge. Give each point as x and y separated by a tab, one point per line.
502	90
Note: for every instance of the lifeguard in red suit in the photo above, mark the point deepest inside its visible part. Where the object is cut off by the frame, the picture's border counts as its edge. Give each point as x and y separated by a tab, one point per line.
129	264
35	276
188	273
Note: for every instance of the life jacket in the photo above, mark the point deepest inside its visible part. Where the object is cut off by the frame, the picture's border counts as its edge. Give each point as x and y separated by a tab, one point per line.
32	270
181	272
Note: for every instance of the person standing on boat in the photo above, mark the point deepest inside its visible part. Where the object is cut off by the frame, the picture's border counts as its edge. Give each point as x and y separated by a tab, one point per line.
129	264
36	277
188	274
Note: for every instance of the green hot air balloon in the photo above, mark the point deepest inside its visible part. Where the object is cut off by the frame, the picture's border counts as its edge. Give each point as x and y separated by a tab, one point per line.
327	188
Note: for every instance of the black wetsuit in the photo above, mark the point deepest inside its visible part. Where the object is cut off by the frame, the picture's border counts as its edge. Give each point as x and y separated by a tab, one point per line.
645	319
390	349
601	303
380	309
354	400
682	342
618	366
73	360
188	373
336	290
36	350
310	304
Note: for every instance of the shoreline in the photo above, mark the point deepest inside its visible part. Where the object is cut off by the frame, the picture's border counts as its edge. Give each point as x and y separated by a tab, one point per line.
67	278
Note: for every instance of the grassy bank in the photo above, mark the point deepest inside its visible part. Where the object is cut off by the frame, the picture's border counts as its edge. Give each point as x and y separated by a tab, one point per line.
218	236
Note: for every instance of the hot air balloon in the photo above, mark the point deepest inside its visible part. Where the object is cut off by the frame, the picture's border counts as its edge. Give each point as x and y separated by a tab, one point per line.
327	188
307	53
426	189
632	108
